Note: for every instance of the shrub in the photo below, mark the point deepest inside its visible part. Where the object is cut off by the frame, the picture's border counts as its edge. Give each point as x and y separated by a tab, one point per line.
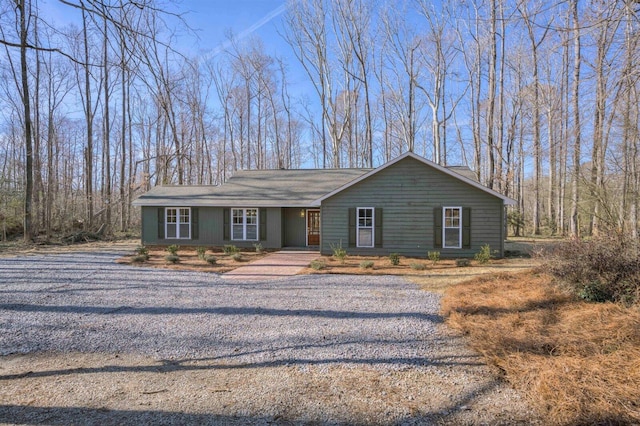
140	258
462	263
230	249
237	256
484	255
418	266
210	259
258	247
366	264
173	249
605	268
142	251
338	252
394	258
201	252
172	258
317	264
434	256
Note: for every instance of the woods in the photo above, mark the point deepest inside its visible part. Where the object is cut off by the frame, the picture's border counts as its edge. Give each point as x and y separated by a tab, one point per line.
540	99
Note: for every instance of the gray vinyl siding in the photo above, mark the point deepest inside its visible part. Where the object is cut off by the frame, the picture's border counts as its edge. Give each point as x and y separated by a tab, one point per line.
210	229
407	192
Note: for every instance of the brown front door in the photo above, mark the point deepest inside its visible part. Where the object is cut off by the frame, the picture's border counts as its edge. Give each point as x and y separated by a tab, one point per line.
313	227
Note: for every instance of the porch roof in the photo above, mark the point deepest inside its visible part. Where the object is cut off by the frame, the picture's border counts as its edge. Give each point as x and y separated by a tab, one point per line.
255	188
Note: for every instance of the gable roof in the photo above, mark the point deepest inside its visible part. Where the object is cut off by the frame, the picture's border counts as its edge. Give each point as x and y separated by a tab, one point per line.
255	188
445	170
286	188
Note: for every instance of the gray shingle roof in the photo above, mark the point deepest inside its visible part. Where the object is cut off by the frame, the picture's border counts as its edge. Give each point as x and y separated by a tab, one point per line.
464	171
255	188
285	188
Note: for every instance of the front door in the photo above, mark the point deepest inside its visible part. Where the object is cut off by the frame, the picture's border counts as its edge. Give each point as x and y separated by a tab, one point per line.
313	227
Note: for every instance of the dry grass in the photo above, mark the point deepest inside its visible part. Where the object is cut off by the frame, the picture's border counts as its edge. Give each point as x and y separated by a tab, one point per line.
578	362
189	260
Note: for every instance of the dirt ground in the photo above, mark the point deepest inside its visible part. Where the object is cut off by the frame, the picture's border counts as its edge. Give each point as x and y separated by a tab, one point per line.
132	389
51	388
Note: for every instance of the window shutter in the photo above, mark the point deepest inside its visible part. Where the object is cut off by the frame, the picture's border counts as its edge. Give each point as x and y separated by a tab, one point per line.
437	227
378	227
466	227
263	224
194	223
226	224
160	223
352	227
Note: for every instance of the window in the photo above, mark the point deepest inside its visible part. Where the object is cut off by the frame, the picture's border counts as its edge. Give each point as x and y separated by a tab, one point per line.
244	224
452	227
178	223
365	227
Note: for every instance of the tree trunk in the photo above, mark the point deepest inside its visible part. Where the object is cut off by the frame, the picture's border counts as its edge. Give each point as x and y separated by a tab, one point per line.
28	196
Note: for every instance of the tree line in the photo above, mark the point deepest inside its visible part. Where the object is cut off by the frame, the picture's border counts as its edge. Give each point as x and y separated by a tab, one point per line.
539	98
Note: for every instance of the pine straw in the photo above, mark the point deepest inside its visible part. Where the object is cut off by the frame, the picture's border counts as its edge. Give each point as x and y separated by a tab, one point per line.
578	362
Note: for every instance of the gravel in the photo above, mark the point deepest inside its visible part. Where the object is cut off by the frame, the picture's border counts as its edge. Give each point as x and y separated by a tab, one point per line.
83	302
327	327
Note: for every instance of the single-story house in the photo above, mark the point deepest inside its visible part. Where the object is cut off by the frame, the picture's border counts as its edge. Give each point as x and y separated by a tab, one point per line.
408	206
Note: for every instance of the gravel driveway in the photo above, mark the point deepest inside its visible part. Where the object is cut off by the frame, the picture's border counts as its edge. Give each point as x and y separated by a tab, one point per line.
103	342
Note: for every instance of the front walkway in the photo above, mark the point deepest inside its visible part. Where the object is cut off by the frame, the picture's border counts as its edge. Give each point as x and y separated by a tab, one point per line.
275	265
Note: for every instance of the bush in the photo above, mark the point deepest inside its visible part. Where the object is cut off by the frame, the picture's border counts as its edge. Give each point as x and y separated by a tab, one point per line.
317	265
201	252
338	252
172	258
237	256
230	249
462	263
173	249
258	247
434	256
605	268
484	255
140	258
366	264
394	258
210	259
142	254
418	266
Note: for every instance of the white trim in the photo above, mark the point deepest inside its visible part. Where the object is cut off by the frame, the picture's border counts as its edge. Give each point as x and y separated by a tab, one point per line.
244	224
177	223
372	227
444	227
505	199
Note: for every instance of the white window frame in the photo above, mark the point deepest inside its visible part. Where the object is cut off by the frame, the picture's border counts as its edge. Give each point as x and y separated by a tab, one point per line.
371	227
445	227
179	216
245	224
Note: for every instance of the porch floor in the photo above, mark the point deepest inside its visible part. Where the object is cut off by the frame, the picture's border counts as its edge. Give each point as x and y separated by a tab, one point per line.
280	264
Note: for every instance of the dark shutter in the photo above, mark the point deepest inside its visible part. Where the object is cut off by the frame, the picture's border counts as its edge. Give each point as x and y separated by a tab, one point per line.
437	227
194	223
378	228
352	227
160	223
263	224
226	224
466	227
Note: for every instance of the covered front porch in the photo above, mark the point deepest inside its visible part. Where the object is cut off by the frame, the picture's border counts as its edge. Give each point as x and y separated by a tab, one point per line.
301	227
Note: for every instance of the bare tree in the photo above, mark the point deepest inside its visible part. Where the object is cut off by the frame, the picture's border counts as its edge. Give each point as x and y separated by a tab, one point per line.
535	43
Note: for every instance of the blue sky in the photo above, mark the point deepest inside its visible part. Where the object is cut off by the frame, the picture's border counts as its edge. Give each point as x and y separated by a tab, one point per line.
212	19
